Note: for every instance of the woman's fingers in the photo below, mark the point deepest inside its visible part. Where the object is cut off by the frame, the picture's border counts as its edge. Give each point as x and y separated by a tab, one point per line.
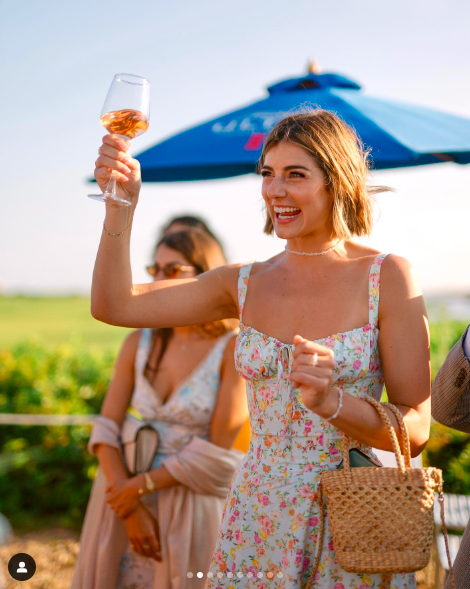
102	175
118	150
104	161
304	346
154	545
141	545
309	380
147	546
116	142
120	156
115	154
314	360
322	373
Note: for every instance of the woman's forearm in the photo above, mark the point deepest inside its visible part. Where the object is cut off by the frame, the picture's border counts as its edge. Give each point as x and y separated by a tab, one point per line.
112	276
111	463
360	421
162	478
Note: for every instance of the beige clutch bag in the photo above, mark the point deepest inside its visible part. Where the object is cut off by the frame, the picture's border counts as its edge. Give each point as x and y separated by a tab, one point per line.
139	444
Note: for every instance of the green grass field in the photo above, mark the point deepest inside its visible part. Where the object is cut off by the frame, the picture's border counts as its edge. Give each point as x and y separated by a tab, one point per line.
53	321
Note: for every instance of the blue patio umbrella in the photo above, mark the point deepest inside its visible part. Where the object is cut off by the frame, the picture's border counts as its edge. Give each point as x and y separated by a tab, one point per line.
398	134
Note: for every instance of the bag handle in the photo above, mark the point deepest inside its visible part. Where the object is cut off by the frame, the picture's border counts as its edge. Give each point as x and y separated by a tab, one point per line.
403	431
403	462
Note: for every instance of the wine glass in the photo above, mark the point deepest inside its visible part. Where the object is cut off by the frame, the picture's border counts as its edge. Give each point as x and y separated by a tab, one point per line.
125	113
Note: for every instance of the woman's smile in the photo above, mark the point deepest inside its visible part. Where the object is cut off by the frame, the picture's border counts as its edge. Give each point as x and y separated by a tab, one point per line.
286	214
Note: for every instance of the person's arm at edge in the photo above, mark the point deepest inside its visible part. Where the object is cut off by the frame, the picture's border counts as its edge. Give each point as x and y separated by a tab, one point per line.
115	405
231	411
451	387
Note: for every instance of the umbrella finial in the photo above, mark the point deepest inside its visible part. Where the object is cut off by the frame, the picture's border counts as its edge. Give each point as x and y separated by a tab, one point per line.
313	66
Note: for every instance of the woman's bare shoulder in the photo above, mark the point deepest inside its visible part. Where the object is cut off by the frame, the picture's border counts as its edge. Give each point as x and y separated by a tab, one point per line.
399	288
398	274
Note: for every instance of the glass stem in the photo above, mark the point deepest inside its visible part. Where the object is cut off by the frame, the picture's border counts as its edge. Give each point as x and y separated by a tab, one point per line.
111	188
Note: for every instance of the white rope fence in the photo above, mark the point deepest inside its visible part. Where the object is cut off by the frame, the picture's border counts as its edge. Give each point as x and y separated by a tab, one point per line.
45	419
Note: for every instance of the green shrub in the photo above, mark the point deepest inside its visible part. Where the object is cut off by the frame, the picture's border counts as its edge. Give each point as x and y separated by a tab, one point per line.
46	471
449	450
443	336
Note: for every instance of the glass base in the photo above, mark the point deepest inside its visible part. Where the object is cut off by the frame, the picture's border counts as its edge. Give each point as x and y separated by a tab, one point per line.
108	197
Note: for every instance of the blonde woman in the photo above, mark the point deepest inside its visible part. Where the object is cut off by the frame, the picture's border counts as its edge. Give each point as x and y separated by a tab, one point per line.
183	382
313	338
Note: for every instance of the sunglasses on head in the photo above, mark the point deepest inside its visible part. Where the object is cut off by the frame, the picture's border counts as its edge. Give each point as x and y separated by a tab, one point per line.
170	270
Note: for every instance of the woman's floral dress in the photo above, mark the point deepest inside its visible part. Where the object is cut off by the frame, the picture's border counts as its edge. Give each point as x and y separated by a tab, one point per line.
270	524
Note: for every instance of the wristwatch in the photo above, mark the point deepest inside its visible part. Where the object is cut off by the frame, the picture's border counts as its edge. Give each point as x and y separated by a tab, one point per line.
149	484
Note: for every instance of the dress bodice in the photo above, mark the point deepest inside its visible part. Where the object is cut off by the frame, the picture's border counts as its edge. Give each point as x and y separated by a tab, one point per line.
188	411
275	404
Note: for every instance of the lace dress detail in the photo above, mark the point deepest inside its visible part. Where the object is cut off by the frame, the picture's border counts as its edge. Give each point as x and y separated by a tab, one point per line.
270	523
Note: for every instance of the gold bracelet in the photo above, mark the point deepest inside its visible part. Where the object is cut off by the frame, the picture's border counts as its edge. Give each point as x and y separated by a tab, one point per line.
116	234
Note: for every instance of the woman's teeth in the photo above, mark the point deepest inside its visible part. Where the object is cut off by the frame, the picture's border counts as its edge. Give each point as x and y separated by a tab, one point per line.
286	212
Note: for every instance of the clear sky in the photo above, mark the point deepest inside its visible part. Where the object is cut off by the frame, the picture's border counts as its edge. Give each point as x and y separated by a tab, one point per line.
204	58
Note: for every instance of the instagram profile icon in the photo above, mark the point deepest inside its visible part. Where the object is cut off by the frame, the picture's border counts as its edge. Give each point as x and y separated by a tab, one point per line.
22	566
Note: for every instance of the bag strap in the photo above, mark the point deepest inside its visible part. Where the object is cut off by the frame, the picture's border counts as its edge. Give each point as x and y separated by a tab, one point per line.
403	431
446	539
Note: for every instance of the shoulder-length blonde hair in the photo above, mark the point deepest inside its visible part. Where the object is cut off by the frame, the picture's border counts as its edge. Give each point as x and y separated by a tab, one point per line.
341	156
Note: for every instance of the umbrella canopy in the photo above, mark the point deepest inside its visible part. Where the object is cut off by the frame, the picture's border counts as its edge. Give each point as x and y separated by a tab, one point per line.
399	134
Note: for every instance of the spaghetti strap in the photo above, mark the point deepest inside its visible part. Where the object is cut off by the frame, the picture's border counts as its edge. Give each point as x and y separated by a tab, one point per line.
374	288
243	277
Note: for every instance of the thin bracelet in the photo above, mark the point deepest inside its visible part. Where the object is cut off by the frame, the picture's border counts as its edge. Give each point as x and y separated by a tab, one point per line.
116	234
340	404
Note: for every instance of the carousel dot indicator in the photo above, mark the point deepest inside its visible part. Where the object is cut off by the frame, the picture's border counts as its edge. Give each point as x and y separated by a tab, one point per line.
239	575
200	575
189	575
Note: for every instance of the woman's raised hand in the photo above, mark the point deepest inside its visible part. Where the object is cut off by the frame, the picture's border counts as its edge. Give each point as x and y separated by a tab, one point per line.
113	155
312	369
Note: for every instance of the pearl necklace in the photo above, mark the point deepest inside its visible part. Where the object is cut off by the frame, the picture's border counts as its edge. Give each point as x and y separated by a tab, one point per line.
314	253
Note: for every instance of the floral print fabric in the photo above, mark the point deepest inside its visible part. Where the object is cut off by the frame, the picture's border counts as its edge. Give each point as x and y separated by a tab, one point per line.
270	524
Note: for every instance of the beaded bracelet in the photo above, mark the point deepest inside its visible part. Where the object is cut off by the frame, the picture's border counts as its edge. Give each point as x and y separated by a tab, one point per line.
340	404
116	234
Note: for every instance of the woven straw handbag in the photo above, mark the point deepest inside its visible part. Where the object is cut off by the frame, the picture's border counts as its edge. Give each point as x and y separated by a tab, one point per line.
381	518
